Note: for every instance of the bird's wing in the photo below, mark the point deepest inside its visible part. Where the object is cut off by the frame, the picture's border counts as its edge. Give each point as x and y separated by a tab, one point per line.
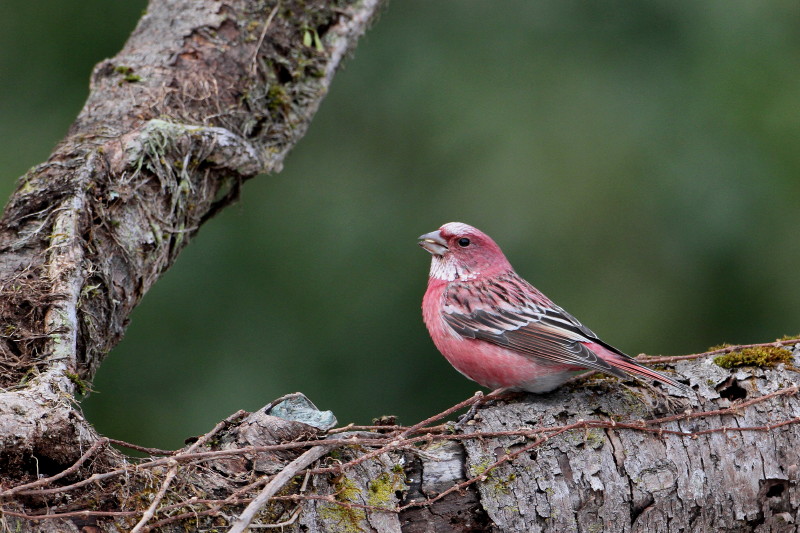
509	312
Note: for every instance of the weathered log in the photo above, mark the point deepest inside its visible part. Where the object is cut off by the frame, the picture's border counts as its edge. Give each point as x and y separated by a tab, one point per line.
596	455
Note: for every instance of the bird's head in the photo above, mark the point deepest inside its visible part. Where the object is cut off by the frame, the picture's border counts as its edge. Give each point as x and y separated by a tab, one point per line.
461	252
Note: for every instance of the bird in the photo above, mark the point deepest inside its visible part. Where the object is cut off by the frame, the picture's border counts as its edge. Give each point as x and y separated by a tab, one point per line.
498	330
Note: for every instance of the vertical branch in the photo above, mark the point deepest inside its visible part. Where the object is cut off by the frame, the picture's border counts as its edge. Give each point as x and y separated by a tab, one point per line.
203	96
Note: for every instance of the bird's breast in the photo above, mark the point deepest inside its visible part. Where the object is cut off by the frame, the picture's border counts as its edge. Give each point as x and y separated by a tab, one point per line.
432	304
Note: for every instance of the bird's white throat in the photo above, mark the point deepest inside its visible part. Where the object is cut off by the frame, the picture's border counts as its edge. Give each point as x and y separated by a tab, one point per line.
446	269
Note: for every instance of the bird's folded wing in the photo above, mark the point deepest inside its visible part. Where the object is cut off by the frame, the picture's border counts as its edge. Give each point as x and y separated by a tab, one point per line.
505	314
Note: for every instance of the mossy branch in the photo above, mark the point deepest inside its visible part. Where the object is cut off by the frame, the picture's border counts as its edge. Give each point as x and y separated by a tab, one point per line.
203	96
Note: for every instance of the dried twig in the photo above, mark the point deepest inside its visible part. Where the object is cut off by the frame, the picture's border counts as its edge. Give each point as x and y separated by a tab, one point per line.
173	471
254	64
143	449
643	358
281	479
47	480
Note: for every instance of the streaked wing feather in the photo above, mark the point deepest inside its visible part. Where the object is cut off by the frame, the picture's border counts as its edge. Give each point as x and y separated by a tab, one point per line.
502	313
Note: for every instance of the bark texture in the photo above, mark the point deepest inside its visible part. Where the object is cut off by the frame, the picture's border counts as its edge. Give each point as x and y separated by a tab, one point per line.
603	479
205	95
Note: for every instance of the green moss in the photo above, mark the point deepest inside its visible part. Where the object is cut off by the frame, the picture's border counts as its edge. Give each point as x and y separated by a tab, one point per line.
595	438
635	403
311	39
719	346
27	186
336	455
478	469
127	73
80	385
346	489
500	485
340	518
89	291
493	481
764	356
277	98
383	488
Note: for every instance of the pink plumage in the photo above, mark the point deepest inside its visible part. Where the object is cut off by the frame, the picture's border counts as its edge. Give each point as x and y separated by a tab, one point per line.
499	330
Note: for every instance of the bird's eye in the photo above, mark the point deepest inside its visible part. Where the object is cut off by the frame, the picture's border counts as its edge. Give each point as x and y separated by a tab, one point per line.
463	242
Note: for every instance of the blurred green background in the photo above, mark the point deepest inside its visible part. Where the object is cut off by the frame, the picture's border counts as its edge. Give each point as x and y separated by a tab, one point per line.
639	161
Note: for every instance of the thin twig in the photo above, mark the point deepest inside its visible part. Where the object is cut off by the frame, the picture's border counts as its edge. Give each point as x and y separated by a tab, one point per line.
655	359
72	469
143	449
725	349
285	523
399	438
484	475
477	397
173	471
281	479
151	509
281	399
71	514
649	426
261	39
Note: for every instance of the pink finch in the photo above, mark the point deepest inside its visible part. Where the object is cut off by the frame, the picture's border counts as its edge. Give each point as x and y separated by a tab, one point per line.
499	330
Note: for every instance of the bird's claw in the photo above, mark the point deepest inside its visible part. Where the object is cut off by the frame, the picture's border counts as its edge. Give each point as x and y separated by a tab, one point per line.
481	400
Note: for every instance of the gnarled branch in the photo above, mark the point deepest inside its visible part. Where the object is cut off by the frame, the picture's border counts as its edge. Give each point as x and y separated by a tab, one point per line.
203	96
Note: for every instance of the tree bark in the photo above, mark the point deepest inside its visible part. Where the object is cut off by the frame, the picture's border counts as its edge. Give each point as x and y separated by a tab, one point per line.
205	95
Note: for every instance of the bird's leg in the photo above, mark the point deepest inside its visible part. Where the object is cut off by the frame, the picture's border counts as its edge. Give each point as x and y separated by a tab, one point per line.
497	394
470	414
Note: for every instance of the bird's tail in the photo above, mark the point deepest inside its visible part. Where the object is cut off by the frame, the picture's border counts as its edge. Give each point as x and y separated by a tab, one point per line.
627	364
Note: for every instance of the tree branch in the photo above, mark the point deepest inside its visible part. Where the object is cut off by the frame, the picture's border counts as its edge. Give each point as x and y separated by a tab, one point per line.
203	96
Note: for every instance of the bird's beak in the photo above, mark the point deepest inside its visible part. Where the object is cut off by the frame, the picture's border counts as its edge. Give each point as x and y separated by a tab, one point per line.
433	243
